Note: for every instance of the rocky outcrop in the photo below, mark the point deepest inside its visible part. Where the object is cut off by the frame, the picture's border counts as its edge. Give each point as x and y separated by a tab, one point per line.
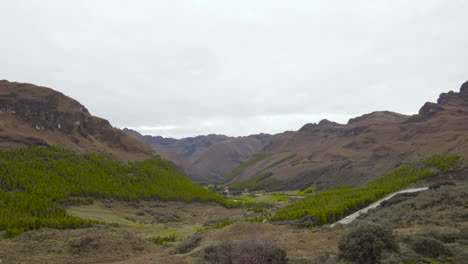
455	99
430	109
379	117
464	90
52	118
324	126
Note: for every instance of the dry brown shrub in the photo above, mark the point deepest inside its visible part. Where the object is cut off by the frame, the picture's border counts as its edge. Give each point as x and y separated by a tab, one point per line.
247	251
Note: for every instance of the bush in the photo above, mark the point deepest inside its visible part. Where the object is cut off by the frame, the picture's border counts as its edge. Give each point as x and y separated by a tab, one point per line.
256	251
247	251
162	240
187	245
82	244
367	244
308	221
401	197
440	184
444	236
443	163
429	247
216	254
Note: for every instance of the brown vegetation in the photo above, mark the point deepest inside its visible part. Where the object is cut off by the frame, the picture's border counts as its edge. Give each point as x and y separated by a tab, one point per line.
34	115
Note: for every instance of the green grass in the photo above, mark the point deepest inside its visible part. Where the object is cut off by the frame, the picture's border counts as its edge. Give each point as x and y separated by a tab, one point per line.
239	169
443	163
35	182
222	224
162	240
269	199
257	182
280	161
307	191
333	204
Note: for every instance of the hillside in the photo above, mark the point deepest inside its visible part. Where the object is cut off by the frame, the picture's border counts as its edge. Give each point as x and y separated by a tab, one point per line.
324	154
35	184
329	154
40	116
208	158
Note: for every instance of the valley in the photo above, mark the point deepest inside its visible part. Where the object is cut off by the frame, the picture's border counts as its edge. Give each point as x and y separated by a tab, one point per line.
129	239
74	189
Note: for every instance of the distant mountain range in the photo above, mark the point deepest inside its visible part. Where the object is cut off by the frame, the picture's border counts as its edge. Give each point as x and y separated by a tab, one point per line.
322	155
325	154
208	158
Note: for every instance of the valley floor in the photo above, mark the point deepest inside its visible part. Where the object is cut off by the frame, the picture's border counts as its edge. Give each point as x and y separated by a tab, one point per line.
437	211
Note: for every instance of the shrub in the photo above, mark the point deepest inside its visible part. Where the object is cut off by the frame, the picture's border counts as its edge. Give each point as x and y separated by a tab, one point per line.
443	163
162	240
222	224
247	251
308	221
187	245
445	236
257	251
366	244
82	244
429	247
391	258
216	254
401	197
440	184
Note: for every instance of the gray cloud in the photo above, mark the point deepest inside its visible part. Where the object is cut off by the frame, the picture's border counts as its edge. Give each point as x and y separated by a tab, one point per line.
182	68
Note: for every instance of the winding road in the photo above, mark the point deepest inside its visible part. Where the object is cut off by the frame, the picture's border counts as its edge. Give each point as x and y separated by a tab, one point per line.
350	218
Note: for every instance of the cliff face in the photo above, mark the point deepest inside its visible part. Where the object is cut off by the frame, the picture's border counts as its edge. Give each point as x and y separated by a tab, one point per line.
34	115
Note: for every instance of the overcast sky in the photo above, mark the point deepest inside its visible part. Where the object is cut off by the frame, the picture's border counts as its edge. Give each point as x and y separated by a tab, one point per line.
183	68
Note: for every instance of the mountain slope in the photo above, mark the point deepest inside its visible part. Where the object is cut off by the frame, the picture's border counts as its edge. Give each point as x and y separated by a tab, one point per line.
36	182
328	154
35	115
53	153
208	158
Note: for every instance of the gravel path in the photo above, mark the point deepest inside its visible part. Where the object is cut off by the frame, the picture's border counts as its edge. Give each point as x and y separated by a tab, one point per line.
350	218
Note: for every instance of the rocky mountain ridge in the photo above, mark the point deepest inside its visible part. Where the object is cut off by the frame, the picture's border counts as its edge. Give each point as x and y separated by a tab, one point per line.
35	115
328	153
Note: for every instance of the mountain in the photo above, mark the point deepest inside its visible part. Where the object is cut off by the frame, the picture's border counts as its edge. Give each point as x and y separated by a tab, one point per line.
325	154
329	154
40	116
209	158
54	153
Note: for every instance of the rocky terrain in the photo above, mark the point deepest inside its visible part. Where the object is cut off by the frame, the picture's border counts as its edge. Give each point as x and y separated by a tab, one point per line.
34	115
